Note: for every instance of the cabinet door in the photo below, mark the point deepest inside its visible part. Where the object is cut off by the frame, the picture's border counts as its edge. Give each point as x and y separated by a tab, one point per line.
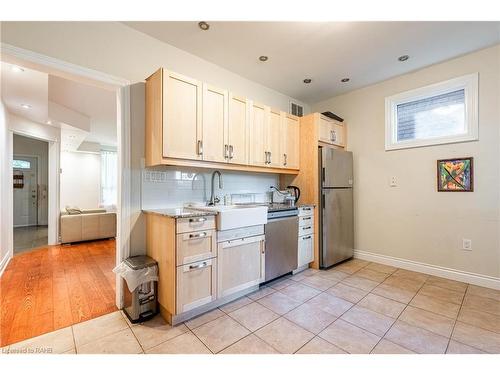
273	138
182	133
214	120
306	250
240	265
291	142
258	128
239	118
196	284
325	129
338	134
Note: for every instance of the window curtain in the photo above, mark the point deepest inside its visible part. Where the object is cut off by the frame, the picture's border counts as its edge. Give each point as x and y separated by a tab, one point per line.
109	178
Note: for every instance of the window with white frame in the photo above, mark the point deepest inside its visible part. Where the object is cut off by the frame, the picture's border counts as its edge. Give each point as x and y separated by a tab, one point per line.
445	112
109	178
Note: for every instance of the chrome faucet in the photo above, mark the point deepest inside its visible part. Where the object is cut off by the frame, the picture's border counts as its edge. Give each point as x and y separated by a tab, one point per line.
213	198
202	176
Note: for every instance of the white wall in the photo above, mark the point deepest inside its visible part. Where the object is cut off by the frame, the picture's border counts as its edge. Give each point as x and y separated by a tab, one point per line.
80	179
413	221
28	146
114	48
6	233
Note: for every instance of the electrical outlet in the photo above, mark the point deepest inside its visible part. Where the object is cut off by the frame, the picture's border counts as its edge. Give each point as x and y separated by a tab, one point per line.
393	182
466	244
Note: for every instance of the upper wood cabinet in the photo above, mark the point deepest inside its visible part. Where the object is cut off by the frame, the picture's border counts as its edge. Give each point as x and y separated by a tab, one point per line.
258	134
331	131
291	141
274	135
215	124
238	130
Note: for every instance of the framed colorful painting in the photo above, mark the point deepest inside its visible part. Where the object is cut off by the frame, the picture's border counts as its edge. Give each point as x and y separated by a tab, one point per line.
455	175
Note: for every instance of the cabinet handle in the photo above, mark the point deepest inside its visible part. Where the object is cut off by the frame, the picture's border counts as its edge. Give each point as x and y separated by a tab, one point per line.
334	136
306	237
284	159
306	218
306	228
226	152
270	155
306	208
267	157
201	265
198	220
231	151
198	235
200	147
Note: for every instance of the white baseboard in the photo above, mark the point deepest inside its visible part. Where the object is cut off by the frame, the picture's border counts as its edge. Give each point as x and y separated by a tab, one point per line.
448	273
4	262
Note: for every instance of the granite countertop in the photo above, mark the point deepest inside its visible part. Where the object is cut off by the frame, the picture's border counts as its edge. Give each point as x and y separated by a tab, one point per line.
177	213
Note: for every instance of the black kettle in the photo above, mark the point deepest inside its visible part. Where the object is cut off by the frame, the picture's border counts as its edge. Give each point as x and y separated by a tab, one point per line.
296	192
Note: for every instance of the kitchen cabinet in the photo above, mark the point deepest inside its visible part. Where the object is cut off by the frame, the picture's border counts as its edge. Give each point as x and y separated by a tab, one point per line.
238	130
196	285
273	137
258	134
214	124
306	237
331	131
290	141
240	264
195	246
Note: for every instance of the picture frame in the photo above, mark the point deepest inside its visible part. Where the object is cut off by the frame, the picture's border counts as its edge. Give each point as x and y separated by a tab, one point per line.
455	175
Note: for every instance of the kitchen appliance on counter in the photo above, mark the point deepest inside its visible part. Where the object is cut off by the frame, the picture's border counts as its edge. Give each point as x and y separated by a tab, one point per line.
295	192
290	196
336	219
281	233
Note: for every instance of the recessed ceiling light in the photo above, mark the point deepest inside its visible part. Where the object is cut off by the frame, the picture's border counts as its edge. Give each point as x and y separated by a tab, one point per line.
17	69
25	106
263	58
307	80
49	122
203	25
403	58
344	80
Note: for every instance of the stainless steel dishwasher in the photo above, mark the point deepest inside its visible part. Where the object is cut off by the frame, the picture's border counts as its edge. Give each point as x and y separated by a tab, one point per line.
282	234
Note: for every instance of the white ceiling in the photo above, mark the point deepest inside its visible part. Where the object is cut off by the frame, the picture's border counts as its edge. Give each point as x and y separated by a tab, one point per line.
326	52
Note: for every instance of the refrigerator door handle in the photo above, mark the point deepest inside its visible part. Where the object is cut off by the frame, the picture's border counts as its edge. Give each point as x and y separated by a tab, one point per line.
323	201
323	174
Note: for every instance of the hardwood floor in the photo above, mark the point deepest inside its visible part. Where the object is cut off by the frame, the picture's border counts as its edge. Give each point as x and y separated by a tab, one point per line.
54	287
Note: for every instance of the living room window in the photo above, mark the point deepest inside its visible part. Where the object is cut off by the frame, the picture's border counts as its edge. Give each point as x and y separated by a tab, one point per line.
109	178
441	113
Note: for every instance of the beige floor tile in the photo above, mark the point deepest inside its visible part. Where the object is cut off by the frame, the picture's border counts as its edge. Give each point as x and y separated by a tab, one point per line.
205	318
155	331
360	282
369	320
333	274
318	282
351	266
430	321
310	272
455	347
417	339
279	303
250	345
372	275
350	338
394	293
262	292
121	342
382	305
457	286
298	276
404	283
56	342
235	305
484	292
186	343
284	336
311	318
329	303
484	304
435	305
319	346
71	351
381	268
388	347
477	337
220	333
93	329
254	316
412	275
300	292
480	319
347	292
446	295
281	283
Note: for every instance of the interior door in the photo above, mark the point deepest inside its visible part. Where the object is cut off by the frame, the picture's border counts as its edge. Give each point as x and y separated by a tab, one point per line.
258	128
26	198
239	113
274	135
214	120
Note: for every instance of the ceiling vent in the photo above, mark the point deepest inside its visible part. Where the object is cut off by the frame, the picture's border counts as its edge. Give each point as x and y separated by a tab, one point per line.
296	109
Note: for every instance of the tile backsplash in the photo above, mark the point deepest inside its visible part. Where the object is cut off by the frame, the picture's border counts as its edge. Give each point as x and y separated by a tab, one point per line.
164	187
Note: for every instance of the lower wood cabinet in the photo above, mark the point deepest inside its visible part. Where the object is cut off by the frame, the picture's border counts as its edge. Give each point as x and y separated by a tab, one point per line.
241	265
195	246
306	250
196	284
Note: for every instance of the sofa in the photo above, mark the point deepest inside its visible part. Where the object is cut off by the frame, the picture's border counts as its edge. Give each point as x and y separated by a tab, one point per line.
87	224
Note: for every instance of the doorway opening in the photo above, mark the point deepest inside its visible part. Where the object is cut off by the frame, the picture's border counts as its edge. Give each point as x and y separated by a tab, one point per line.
30	193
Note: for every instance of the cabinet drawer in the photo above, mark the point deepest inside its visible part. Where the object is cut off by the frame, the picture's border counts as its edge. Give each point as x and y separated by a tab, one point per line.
306	211
306	229
195	246
192	224
305	221
196	284
306	253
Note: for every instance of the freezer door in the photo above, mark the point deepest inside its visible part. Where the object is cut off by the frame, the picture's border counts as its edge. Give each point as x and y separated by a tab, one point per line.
337	226
336	167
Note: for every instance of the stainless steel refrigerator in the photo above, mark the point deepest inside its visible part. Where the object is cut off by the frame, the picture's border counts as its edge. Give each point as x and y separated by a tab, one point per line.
336	219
